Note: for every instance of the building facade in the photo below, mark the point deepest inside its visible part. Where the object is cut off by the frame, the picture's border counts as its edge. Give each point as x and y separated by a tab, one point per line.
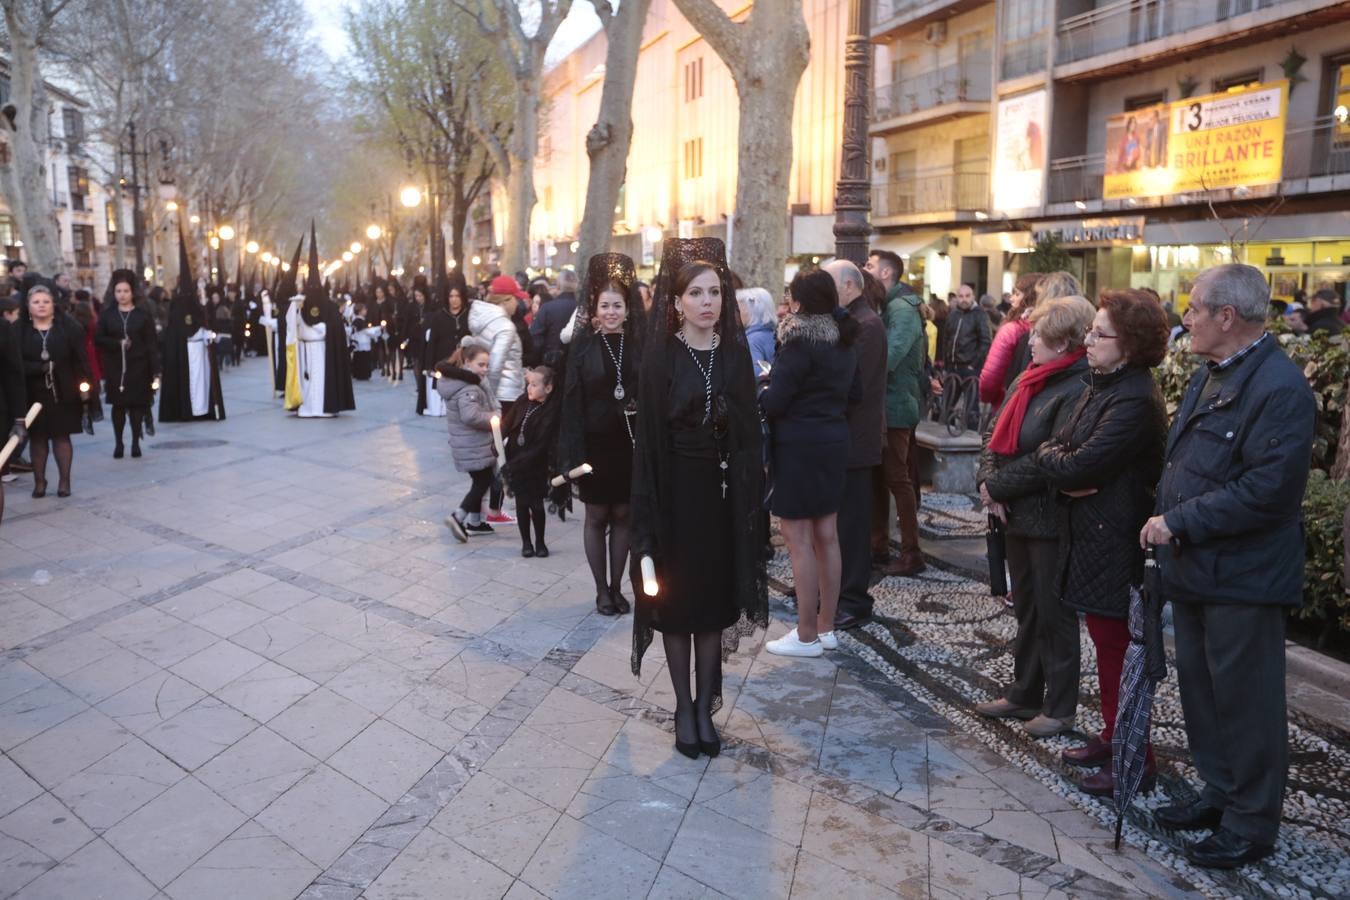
1149	138
682	165
82	201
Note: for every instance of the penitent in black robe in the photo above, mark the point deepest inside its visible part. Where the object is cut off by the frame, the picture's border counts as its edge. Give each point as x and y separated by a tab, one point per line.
175	395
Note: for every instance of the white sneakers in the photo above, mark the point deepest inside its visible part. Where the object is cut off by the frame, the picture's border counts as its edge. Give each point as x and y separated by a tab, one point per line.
790	645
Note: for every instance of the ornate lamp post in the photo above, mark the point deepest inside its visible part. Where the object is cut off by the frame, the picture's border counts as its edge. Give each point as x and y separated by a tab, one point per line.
852	192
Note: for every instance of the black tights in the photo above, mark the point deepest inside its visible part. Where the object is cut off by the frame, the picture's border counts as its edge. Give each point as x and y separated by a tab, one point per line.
63	451
119	419
707	651
526	513
601	518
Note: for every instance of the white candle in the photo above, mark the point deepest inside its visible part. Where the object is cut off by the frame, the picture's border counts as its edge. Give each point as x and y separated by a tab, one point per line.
496	423
12	444
649	585
154	385
84	387
583	469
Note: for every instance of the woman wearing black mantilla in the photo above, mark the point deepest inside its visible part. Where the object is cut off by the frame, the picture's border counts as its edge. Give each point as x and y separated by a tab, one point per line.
129	349
698	481
599	408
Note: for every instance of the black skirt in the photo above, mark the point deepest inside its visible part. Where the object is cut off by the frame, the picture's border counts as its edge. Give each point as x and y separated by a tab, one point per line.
808	479
698	569
611	458
57	420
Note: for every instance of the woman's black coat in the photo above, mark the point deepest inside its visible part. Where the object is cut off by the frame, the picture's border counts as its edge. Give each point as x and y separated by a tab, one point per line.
1113	443
142	356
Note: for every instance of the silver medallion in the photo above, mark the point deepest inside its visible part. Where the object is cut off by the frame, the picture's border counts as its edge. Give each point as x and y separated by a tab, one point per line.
45	356
618	392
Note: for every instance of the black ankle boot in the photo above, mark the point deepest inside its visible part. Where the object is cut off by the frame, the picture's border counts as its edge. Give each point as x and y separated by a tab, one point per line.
117	451
527	550
135	448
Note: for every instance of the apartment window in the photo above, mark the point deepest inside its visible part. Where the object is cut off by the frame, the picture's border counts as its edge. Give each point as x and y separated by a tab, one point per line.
6	232
693	80
82	237
1239	79
110	216
1144	101
79	186
73	120
693	158
548	198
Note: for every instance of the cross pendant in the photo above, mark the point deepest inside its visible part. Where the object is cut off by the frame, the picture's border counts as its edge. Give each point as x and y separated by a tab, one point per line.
723	466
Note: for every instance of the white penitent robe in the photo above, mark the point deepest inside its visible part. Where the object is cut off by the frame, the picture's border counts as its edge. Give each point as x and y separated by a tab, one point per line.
199	371
312	361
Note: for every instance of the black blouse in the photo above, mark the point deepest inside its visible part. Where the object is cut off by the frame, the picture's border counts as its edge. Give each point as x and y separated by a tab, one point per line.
604	412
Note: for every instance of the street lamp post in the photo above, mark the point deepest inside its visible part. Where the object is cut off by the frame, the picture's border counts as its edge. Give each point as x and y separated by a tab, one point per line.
852	197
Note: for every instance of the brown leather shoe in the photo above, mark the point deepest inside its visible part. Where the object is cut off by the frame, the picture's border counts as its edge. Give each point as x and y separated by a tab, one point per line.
904	566
1045	726
1102	784
1095	752
1003	708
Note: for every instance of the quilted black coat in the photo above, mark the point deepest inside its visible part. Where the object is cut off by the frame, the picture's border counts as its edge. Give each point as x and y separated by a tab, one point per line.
1112	442
1017	481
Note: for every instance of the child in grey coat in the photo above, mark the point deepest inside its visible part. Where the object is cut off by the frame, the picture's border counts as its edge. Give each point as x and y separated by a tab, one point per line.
469	408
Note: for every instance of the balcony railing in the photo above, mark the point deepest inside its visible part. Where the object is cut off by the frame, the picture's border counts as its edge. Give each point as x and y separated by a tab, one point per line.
1128	23
1076	178
951	84
885	10
931	192
1024	56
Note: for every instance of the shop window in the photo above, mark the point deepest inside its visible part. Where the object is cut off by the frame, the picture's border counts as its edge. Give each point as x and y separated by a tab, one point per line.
110	217
1237	79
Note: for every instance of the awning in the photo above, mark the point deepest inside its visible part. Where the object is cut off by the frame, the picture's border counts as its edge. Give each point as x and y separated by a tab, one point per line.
910	243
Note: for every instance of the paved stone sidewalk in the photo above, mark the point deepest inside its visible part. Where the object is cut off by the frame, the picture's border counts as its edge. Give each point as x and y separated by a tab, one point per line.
254	664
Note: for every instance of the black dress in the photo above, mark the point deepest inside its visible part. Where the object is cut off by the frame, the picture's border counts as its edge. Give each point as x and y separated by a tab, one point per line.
55	382
698	570
440	332
608	425
13	398
531	445
130	385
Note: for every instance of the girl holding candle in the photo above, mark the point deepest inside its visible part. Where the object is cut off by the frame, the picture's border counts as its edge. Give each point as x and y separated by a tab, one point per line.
697	484
600	404
531	444
469	409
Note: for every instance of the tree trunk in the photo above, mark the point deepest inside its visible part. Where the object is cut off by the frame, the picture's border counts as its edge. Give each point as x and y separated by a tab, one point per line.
459	215
611	137
766	54
521	150
25	177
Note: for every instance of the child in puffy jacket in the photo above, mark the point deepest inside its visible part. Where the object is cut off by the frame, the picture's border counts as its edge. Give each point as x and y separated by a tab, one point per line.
469	408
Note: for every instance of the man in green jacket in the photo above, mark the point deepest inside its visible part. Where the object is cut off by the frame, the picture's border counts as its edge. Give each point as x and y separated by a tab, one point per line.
904	368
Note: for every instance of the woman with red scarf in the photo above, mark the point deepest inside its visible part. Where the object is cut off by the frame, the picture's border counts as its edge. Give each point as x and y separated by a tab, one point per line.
1044	689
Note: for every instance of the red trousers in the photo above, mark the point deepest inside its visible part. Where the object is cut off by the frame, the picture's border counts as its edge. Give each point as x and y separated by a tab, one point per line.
1110	637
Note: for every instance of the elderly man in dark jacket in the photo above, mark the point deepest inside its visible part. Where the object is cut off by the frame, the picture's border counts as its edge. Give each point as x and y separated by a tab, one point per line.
1229	533
867	434
552	317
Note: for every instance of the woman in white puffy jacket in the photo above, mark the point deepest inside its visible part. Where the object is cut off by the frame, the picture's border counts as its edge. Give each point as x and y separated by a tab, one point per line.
490	323
506	371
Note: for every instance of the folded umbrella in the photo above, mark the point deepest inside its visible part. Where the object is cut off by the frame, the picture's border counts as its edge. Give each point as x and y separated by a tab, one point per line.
1145	666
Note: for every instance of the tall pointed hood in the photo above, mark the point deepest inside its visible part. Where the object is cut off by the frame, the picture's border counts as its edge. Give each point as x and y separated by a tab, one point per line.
286	288
313	280
186	288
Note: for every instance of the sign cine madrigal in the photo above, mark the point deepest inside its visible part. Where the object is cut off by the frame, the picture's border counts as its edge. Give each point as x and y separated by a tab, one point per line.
1228	140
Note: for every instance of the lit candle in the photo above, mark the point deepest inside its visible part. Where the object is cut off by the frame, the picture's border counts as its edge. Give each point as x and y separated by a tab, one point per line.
649	585
154	385
84	387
